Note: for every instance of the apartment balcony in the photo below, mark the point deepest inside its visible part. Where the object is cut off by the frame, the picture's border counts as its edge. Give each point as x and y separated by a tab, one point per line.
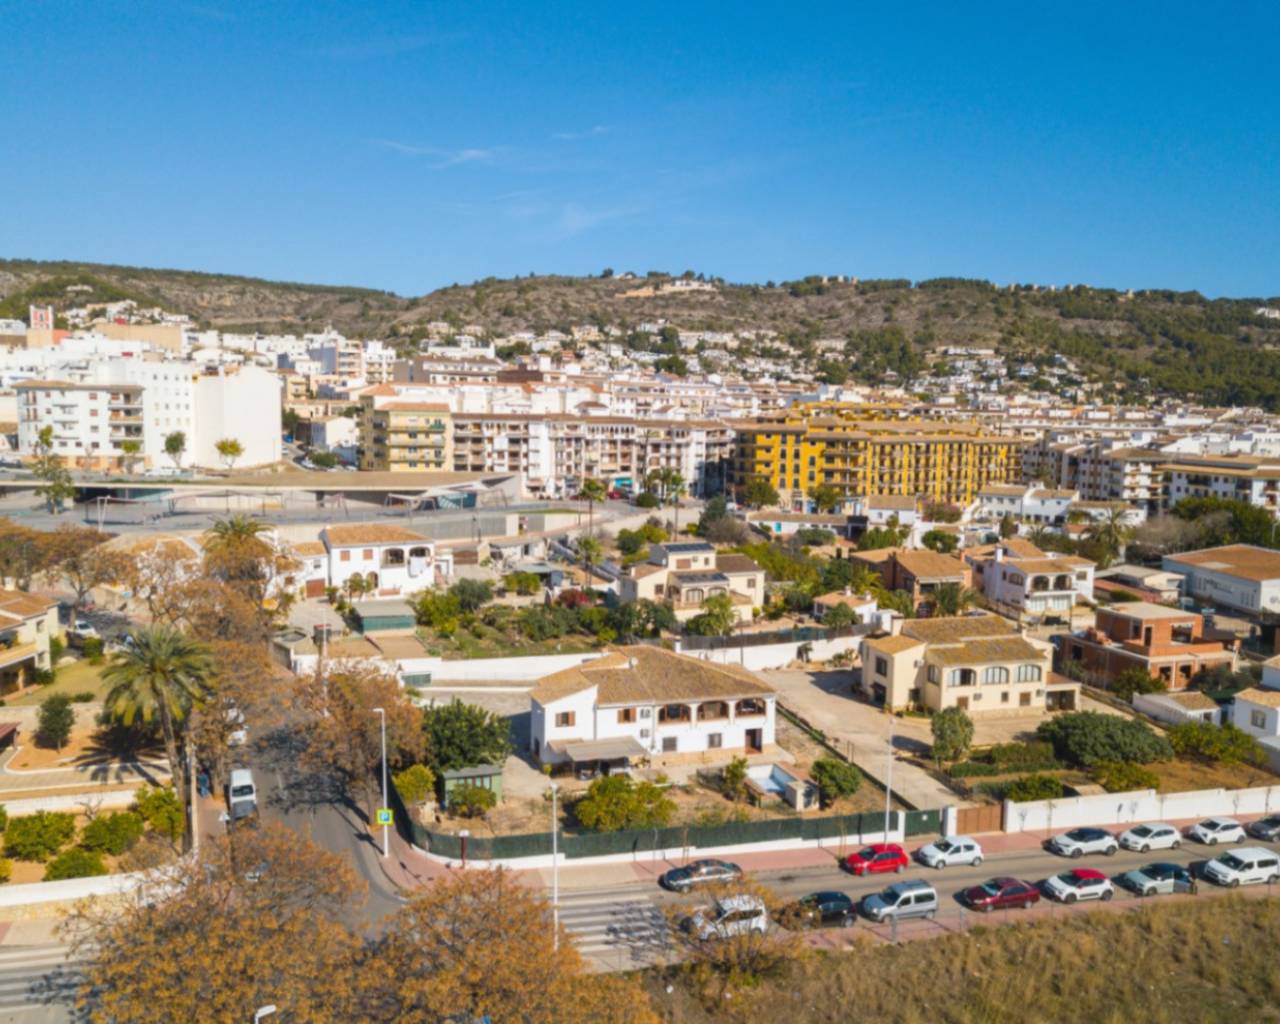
15	653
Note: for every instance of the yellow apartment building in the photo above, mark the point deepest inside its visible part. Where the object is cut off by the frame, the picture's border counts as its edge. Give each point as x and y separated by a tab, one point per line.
811	445
406	436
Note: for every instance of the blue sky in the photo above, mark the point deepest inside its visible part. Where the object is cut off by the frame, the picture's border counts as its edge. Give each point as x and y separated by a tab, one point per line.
408	146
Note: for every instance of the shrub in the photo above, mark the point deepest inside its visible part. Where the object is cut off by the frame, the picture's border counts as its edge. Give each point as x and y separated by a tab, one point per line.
471	594
75	863
974	769
6	869
162	811
1033	756
38	836
1134	680
93	649
522	582
113	833
952	734
4	818
733	778
647	499
415	784
83	697
469	801
1034	787
835	779
1124	776
1087	738
1216	743
54	721
57	648
617	802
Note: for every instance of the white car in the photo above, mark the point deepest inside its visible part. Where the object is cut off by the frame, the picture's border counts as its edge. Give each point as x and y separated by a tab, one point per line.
1154	835
1246	865
1080	884
83	628
729	918
953	850
1080	841
1213	831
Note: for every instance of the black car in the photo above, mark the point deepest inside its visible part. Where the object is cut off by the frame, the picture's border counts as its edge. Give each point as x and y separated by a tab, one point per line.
699	872
820	909
1267	829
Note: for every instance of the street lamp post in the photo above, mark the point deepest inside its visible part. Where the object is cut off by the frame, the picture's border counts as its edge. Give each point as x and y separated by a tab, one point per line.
386	830
555	870
888	781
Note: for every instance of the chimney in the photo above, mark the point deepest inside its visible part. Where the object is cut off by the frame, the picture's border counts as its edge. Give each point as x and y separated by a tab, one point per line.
999	553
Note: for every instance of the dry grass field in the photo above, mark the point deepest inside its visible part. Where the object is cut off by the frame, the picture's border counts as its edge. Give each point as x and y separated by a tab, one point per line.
1189	963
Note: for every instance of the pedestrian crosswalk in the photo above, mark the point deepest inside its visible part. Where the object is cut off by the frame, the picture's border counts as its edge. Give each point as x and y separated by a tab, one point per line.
617	929
37	976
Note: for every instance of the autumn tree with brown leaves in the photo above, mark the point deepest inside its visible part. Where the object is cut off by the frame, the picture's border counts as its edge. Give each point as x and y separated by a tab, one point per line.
81	556
479	944
256	920
343	732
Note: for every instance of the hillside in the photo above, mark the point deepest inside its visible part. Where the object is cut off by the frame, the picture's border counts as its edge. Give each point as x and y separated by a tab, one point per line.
1218	351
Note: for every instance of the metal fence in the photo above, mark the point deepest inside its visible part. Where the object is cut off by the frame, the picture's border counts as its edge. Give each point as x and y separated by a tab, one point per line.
687	837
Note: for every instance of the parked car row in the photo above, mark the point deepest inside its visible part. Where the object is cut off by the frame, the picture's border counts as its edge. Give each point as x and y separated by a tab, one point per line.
1160	836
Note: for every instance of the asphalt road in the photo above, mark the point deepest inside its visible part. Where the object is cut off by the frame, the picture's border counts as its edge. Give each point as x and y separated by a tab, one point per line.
623	926
316	806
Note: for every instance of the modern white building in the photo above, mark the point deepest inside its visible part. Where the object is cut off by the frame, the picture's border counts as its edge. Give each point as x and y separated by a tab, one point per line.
647	704
1020	578
1242	577
93	409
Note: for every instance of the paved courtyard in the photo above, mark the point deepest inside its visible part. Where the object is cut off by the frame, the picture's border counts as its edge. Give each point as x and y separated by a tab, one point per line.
825	700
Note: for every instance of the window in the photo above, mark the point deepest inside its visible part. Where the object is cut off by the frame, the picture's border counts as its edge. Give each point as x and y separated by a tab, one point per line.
1258	719
1028	673
626	715
368	554
882	666
344	556
668	744
1004	697
715	740
995	674
564	718
933	673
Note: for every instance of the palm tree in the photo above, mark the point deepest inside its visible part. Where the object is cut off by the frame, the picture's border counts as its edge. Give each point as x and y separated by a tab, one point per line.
162	674
1112	532
592	491
673	488
589	550
951	599
864	580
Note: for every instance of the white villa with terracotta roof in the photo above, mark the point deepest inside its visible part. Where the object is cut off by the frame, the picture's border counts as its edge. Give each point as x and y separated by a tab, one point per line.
1020	578
645	703
683	574
391	559
26	624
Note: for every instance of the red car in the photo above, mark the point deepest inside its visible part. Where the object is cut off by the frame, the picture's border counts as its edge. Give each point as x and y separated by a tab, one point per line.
1001	892
877	859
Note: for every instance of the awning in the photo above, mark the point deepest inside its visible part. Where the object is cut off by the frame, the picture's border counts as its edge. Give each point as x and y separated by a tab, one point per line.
623	748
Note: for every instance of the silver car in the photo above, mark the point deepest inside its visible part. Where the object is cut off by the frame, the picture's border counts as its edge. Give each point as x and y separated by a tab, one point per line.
1158	880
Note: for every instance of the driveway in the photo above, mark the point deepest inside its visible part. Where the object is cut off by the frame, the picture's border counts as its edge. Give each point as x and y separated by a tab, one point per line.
825	700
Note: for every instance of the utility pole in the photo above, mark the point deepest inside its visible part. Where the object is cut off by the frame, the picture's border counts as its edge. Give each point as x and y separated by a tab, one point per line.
555	870
191	790
386	830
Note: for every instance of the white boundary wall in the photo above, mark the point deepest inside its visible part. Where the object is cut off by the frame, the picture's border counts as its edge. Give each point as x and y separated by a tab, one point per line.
1139	805
67	890
777	655
70	801
517	669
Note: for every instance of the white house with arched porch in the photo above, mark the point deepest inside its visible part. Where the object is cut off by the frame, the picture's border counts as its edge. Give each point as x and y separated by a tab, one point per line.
645	704
389	560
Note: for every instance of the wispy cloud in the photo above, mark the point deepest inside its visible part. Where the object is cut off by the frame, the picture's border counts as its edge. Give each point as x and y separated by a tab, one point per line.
440	156
575	218
594	132
379	46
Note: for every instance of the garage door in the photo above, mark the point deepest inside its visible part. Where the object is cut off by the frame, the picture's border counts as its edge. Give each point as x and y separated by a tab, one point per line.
315	588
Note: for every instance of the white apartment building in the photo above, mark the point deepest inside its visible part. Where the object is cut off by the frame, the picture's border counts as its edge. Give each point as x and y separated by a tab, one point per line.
1244	478
98	407
1018	577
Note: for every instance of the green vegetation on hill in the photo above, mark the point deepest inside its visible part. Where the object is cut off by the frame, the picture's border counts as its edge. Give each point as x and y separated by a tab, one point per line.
1140	344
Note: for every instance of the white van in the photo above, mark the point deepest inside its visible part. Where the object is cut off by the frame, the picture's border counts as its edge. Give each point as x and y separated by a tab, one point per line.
242	794
1244	866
